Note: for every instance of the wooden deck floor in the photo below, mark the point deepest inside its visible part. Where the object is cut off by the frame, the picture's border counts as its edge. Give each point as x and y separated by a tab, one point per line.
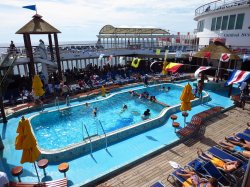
157	168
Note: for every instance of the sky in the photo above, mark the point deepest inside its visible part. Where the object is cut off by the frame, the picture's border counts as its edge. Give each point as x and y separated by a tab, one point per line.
81	20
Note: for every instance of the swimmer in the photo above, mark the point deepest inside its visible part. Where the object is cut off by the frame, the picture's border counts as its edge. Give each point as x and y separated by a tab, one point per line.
146	114
95	112
125	107
163	88
168	89
87	105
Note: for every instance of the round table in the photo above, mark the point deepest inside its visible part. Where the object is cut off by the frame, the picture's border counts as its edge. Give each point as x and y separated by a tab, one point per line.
42	164
173	117
175	125
17	171
63	168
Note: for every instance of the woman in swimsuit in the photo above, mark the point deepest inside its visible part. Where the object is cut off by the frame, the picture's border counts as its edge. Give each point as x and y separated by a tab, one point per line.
194	180
226	166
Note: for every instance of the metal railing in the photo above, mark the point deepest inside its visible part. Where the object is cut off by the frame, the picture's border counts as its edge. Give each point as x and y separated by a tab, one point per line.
91	149
219	5
106	141
57	102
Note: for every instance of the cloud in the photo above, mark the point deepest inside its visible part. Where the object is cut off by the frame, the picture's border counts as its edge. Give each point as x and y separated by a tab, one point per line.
83	19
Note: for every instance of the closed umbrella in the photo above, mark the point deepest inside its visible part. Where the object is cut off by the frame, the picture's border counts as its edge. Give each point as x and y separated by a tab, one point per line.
37	86
26	141
185	98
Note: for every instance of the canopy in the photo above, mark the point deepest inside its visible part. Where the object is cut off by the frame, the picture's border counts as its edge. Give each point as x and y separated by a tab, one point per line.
109	29
185	97
173	67
200	69
214	51
37	86
238	76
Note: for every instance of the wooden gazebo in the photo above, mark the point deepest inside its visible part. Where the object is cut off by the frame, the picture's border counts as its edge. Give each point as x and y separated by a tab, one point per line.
38	26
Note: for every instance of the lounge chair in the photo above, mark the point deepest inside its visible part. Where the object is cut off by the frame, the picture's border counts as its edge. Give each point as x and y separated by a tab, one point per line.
55	183
243	136
158	184
214	172
247	131
217	152
196	165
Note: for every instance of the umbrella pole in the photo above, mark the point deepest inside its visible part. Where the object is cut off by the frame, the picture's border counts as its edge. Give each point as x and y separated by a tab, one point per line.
36	172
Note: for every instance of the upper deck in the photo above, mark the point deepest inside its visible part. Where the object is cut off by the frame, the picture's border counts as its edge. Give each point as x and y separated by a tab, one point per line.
219	5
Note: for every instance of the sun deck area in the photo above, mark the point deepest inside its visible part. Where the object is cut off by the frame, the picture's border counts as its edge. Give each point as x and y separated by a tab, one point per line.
156	168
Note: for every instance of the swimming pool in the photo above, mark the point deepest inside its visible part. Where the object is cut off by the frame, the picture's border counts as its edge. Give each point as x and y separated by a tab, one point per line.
60	128
87	168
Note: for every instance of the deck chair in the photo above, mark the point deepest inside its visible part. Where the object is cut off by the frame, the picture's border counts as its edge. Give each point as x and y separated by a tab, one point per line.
243	136
217	152
214	172
247	131
196	165
158	184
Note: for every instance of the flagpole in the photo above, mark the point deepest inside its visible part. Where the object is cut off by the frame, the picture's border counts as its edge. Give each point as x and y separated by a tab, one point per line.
36	10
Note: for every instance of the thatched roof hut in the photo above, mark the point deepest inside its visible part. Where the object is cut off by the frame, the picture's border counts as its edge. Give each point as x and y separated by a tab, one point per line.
216	49
37	26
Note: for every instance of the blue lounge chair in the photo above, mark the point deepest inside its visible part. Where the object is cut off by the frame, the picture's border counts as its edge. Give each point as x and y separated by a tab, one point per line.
158	184
243	136
217	152
214	172
247	131
196	165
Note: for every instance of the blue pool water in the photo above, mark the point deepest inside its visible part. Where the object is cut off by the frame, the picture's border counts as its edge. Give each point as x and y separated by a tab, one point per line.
51	128
88	168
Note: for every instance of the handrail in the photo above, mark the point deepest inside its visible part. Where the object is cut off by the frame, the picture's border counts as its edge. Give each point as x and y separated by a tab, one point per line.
89	139
216	5
104	135
9	69
57	102
68	100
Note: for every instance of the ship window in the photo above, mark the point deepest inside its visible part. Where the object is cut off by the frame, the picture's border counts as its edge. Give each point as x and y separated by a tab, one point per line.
231	22
213	24
224	23
239	21
200	26
218	23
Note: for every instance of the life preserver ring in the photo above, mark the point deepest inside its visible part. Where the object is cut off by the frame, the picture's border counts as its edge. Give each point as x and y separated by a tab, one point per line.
135	63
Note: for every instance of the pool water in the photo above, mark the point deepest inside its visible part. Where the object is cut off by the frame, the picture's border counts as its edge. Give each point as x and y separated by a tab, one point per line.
61	128
87	168
58	129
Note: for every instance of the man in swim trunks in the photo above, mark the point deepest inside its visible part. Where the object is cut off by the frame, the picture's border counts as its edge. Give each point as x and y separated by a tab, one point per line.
226	166
231	147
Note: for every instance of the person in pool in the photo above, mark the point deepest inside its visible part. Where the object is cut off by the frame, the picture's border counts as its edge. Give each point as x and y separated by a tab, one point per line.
95	112
146	114
87	105
124	107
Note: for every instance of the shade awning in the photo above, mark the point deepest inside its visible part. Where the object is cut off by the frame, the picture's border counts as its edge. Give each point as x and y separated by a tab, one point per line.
109	29
37	26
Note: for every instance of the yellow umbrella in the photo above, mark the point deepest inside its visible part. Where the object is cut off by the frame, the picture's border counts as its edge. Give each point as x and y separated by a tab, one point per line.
37	86
26	141
186	97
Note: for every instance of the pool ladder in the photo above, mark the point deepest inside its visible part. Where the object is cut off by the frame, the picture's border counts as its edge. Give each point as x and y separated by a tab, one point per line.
91	149
106	141
67	100
57	103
